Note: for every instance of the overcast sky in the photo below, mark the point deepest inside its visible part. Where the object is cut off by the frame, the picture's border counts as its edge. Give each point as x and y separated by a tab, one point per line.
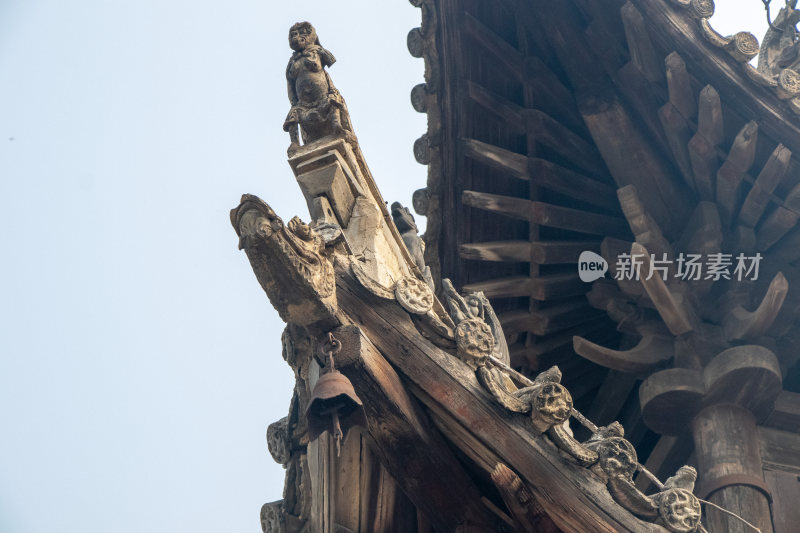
139	359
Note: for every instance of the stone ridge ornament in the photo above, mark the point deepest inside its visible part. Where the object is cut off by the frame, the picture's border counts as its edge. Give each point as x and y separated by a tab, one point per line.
318	110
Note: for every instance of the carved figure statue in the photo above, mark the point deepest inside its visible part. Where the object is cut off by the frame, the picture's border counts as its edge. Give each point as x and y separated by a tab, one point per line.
407	226
780	46
318	110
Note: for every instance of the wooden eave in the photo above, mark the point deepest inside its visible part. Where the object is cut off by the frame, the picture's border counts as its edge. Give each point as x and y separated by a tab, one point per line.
525	96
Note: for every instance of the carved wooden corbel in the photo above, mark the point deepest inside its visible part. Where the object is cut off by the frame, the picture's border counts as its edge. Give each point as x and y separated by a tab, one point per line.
288	262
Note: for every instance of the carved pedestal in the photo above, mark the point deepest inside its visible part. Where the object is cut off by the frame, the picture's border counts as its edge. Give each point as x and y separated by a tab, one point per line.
721	404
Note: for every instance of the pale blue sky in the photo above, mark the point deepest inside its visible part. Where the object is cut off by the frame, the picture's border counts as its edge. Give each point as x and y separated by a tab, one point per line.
139	359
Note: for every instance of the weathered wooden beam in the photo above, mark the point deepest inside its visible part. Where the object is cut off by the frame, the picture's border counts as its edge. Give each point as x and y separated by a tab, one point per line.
646	230
562	180
555	216
679	86
511	163
551	96
539	252
498	251
537	346
551	133
742	324
651	352
769	178
731	174
405	439
780	449
546	214
641	49
787	249
527	512
500	50
628	154
510	206
543	287
509	113
675	312
446	384
704	144
780	221
560	252
678	132
549	319
507	287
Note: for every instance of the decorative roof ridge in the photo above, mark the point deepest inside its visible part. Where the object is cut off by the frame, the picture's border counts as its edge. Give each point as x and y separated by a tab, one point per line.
744	46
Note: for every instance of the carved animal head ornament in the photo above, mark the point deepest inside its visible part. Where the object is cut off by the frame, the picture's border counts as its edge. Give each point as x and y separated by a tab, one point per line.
302	35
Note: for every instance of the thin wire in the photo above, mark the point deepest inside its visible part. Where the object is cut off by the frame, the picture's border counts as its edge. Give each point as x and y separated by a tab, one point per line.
730	513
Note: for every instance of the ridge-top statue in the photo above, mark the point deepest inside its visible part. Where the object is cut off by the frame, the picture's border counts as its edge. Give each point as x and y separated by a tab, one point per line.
318	110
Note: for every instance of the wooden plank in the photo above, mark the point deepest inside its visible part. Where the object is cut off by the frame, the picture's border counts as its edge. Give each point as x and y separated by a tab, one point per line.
769	178
779	449
539	252
498	251
557	178
731	174
551	133
705	142
548	320
542	287
560	252
405	438
785	488
641	49
509	113
511	163
547	214
500	50
510	206
551	96
507	287
555	216
577	501
786	414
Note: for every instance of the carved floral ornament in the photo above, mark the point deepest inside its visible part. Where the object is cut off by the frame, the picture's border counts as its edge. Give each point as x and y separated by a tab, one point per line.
548	406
